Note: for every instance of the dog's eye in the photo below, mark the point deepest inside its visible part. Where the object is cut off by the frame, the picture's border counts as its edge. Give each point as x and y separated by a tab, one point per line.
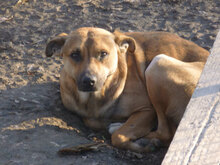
103	55
76	56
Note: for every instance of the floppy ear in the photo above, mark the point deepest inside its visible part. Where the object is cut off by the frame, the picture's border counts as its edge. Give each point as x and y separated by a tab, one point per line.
125	43
54	46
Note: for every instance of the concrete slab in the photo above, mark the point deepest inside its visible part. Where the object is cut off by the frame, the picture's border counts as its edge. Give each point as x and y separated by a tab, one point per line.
197	140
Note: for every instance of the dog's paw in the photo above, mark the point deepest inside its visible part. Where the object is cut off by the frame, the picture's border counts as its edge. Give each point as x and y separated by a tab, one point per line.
113	127
149	145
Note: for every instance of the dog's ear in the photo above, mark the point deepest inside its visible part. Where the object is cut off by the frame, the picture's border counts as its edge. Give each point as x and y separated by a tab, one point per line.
125	43
54	46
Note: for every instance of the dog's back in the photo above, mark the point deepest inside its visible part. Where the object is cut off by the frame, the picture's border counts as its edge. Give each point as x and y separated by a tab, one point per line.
154	43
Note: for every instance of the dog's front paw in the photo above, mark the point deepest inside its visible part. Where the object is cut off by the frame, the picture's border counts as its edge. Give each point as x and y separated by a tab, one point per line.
113	127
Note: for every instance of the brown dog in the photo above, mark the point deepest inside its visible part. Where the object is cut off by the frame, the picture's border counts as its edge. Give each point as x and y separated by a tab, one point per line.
130	83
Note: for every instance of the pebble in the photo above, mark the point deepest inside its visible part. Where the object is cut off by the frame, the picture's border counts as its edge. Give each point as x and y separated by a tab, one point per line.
35	101
32	69
23	99
84	157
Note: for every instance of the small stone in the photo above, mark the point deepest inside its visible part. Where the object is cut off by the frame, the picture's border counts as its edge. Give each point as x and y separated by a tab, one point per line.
35	101
23	99
138	155
32	69
84	157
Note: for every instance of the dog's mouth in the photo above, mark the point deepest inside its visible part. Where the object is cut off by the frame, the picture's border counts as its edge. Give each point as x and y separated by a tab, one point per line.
83	88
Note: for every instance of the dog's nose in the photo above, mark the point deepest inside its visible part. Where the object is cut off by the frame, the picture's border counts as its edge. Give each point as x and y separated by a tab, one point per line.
88	81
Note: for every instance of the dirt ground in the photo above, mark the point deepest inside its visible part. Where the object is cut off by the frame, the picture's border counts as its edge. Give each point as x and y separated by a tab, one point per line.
34	125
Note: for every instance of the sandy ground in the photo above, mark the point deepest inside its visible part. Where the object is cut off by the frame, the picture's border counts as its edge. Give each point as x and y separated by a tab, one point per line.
33	122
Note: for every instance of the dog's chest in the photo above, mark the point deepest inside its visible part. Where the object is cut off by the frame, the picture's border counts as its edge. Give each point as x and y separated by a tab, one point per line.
83	96
133	98
92	105
130	103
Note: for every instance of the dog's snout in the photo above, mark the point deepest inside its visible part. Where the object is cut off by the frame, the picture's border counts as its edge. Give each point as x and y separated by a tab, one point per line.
89	81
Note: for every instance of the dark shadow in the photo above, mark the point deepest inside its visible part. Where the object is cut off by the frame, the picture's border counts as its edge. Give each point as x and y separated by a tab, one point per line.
34	125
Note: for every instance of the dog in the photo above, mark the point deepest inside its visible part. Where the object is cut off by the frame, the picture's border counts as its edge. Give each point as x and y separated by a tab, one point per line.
135	84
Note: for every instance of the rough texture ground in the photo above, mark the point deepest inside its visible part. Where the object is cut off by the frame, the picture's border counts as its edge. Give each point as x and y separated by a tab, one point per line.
33	122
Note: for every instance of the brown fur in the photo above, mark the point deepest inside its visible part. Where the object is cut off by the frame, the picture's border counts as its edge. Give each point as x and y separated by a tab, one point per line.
127	90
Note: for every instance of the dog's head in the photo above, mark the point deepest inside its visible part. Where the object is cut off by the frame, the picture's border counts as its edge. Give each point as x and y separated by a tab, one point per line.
90	55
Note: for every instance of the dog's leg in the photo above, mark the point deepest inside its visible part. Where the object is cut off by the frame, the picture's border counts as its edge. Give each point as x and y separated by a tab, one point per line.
170	84
138	125
165	130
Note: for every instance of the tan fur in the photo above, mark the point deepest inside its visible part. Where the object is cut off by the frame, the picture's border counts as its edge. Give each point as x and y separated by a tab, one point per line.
127	90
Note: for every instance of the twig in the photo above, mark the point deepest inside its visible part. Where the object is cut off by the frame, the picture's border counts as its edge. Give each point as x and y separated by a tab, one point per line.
81	148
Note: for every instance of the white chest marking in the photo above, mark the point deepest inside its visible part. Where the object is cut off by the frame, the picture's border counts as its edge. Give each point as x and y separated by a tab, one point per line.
83	96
